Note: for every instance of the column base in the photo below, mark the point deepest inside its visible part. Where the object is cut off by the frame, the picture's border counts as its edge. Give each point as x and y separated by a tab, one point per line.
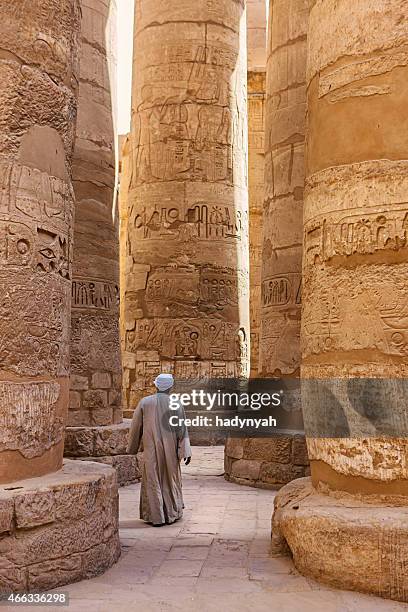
105	444
342	541
266	463
59	528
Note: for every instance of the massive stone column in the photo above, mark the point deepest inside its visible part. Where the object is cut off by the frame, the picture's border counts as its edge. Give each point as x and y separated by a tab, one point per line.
186	302
353	513
96	428
57	521
275	461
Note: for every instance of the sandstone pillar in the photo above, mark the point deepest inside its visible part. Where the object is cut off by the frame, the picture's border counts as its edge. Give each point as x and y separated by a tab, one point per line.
272	462
186	301
57	525
354	315
96	428
37	131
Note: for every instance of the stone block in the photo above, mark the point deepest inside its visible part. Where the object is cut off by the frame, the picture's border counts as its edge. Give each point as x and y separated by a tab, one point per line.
114	399
102	416
248	470
6	514
74	400
278	450
54	573
101	380
79	383
350	544
95	399
34	509
234	448
79	442
83	501
279	474
300	456
111	440
129	360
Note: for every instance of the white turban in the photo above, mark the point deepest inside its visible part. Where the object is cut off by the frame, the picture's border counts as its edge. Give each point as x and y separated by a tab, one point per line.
163	382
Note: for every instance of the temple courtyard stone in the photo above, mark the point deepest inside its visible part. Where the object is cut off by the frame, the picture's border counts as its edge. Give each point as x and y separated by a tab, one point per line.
216	557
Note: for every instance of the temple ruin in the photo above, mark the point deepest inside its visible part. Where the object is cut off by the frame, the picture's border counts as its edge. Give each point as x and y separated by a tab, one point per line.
58	521
251	224
276	221
186	307
352	513
96	430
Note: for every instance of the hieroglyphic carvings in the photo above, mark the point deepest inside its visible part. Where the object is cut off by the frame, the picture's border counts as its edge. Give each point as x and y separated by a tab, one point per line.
354	321
95	344
284	180
186	294
37	111
94	294
32	423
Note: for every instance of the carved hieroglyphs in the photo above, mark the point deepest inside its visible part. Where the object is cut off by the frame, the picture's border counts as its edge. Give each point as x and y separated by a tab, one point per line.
276	288
186	297
355	302
284	181
95	397
38	74
354	318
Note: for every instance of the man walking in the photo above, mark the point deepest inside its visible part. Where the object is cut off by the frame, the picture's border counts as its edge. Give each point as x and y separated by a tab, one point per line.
161	498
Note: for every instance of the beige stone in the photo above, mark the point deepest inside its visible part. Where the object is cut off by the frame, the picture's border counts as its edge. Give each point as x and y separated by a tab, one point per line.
275	265
277	450
343	541
32	510
248	470
187	287
36	138
62	521
95	343
353	266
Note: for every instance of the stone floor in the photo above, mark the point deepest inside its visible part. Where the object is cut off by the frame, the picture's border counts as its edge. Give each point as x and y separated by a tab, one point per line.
216	558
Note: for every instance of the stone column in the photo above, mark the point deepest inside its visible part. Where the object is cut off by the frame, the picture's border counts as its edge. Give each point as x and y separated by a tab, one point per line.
96	429
273	462
55	523
355	294
186	301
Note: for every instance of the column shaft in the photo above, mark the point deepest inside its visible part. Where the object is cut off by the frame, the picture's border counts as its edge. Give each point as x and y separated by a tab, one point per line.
38	69
186	301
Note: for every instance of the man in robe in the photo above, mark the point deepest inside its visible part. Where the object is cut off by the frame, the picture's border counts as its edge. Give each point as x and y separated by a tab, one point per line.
164	446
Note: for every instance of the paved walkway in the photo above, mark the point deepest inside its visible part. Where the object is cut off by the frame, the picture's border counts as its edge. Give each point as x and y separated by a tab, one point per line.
215	559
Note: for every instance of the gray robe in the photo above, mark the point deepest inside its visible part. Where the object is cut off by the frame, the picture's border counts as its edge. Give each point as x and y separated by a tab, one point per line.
161	499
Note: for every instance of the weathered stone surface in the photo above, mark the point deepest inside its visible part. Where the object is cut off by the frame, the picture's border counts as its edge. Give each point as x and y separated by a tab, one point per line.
128	467
355	247
285	113
97	441
277	450
343	541
186	294
234	448
95	344
299	451
81	500
282	223
34	509
36	135
6	513
280	460
256	171
246	469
